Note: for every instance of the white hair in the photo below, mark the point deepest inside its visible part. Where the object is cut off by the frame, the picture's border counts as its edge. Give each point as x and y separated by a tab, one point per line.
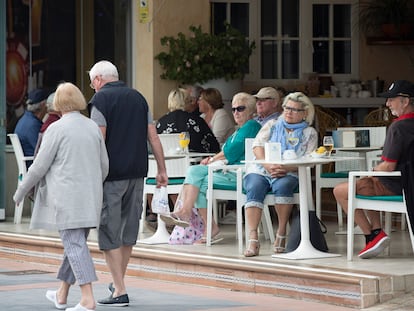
105	69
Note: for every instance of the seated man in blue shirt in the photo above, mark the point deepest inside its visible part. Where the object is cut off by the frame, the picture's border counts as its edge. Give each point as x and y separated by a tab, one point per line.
29	124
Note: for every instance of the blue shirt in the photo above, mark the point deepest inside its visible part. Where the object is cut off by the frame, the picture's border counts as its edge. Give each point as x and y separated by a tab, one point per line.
27	129
272	116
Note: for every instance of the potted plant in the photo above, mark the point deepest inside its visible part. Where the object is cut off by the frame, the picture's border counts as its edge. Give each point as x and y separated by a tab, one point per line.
389	16
201	56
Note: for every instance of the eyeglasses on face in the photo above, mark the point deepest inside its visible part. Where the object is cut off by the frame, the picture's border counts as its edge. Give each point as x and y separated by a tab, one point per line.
293	110
92	86
238	109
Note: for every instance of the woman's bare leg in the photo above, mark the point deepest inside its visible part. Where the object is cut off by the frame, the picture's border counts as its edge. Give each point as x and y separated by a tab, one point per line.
253	217
189	193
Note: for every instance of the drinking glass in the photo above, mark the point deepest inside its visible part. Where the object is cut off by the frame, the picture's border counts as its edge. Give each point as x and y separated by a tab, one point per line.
292	140
328	143
184	141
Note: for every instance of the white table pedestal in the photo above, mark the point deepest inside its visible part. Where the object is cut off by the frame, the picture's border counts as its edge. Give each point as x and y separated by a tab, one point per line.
161	236
305	249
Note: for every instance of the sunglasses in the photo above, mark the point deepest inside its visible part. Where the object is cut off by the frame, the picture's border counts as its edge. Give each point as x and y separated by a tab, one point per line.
238	109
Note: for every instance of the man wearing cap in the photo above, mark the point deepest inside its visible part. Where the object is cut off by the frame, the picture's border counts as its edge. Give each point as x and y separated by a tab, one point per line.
28	126
400	135
268	105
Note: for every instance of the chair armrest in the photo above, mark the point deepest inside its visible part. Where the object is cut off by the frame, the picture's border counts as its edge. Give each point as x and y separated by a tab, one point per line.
227	167
373	173
213	168
353	178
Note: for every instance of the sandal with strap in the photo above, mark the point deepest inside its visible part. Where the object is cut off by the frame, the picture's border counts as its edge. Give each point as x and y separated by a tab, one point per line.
174	220
280	244
215	239
253	248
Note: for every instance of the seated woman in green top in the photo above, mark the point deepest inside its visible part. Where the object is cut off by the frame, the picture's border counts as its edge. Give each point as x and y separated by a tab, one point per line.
195	184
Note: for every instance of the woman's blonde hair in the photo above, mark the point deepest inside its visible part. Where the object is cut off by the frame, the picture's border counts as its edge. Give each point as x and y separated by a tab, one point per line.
68	98
247	100
177	99
299	97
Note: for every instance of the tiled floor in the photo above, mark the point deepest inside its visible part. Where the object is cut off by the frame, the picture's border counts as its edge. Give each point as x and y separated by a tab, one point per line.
24	284
400	262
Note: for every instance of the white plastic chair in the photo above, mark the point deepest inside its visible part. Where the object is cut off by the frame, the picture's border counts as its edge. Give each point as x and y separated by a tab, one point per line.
322	182
214	194
388	204
176	170
330	180
21	160
235	193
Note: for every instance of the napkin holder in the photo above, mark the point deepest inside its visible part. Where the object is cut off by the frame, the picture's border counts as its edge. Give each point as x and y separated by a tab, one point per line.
273	151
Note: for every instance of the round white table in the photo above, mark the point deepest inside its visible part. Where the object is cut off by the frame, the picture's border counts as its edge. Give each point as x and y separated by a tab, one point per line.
305	250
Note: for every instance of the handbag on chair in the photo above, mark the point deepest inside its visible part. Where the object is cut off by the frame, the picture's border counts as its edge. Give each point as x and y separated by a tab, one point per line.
317	230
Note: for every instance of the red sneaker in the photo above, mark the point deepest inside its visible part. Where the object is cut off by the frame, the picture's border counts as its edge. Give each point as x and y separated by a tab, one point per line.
376	246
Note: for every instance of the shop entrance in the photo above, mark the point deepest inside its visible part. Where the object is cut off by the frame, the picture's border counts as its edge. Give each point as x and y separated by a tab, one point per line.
49	41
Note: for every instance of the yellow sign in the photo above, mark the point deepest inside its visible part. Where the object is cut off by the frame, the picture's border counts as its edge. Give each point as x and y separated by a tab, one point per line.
143	11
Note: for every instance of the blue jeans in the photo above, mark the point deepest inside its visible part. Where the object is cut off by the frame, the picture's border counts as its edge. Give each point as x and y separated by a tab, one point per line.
258	186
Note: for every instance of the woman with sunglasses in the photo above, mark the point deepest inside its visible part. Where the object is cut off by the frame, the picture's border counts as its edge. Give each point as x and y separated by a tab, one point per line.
294	132
195	184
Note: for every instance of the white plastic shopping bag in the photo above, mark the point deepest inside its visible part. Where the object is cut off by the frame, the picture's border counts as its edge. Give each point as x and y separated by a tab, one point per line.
160	201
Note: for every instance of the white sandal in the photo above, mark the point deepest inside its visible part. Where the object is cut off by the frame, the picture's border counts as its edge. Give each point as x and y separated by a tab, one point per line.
280	244
252	250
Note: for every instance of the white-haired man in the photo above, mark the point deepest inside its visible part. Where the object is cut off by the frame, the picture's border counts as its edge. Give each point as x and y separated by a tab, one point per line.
123	116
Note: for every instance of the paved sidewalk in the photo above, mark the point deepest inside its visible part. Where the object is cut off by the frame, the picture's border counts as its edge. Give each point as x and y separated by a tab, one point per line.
23	286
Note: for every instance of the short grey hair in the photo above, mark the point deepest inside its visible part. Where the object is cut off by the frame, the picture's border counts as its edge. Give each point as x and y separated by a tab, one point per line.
49	102
299	97
193	90
104	68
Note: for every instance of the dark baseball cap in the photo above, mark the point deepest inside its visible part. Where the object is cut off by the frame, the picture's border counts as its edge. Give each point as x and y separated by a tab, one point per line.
36	96
399	88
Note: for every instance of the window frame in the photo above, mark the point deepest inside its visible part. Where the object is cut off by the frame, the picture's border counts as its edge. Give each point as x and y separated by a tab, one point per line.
305	41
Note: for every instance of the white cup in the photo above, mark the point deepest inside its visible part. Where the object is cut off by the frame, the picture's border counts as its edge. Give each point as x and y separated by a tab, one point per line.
289	154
